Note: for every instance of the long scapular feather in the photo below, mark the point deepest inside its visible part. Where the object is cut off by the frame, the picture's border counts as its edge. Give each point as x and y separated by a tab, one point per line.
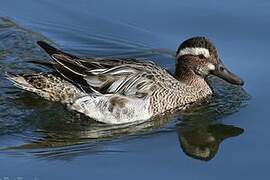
52	50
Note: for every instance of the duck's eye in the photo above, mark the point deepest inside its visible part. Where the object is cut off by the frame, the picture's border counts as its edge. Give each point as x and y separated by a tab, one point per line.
221	68
201	56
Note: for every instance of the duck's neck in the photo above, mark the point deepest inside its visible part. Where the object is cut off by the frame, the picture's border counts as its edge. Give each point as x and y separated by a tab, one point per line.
197	83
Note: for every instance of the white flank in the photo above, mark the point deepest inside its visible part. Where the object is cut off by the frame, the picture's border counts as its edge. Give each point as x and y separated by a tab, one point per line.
102	109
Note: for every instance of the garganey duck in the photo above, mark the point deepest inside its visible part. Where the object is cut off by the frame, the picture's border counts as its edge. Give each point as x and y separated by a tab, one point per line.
121	90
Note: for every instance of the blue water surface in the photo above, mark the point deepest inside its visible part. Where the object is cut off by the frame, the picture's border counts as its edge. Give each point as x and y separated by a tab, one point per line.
42	140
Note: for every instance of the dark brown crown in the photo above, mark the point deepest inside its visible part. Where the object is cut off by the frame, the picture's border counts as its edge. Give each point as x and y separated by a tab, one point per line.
198	42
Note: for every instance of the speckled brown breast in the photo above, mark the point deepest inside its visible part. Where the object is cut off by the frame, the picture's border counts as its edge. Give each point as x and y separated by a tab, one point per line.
164	100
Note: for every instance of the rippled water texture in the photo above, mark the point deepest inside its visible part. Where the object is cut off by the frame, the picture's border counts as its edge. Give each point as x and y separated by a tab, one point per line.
230	132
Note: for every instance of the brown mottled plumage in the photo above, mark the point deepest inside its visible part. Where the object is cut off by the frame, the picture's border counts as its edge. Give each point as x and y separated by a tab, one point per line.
125	90
49	86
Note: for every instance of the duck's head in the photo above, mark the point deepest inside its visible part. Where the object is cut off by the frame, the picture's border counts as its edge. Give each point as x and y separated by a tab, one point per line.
200	56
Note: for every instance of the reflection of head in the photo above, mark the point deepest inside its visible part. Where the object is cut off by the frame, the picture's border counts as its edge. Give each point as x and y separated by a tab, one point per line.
202	142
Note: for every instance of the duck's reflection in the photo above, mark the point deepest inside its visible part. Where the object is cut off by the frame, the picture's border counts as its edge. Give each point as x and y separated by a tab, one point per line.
202	140
198	139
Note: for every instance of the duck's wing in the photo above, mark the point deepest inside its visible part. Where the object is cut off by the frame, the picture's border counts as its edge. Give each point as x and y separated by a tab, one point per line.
128	77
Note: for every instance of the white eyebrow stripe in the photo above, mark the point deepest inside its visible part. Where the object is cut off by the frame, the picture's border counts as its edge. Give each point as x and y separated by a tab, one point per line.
194	51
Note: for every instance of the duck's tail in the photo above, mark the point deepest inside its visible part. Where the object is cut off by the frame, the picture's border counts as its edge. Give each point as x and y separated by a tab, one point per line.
48	86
